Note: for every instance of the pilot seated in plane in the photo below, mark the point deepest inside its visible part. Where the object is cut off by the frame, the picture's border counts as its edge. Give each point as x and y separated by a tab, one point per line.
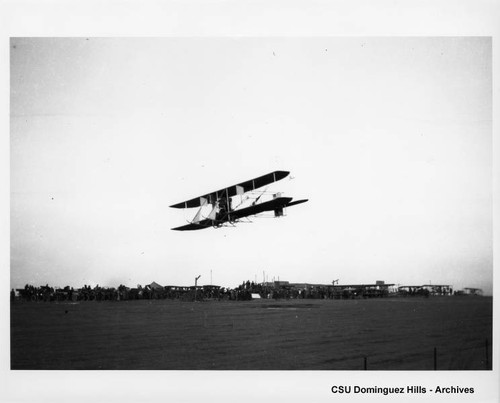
223	209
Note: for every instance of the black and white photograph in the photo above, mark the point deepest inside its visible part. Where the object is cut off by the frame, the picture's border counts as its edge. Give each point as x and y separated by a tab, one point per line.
288	207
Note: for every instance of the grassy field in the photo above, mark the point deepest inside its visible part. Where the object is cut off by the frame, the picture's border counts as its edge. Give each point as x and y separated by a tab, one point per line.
392	333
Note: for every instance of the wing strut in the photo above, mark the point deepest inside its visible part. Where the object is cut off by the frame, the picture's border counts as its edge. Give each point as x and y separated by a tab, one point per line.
213	213
197	217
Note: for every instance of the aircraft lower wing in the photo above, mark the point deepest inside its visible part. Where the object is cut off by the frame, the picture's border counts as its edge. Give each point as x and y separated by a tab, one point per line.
195	226
272	205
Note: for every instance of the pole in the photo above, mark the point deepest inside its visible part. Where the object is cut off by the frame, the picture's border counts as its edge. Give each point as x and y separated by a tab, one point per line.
228	206
487	355
196	285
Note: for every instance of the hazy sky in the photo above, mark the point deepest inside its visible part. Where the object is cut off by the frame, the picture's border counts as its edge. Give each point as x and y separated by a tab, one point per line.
389	138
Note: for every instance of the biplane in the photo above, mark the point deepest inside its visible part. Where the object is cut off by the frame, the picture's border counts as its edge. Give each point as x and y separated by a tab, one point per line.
223	212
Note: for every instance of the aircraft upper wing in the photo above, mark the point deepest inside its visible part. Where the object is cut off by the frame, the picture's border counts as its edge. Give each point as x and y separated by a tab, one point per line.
230	191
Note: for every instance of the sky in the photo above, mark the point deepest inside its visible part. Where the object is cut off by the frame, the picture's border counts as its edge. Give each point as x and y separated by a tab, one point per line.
389	138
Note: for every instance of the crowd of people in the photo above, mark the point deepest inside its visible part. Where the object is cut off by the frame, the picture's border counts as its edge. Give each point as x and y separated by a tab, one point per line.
245	291
120	293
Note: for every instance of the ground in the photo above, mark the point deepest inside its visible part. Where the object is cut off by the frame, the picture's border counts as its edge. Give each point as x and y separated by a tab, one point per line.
384	333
